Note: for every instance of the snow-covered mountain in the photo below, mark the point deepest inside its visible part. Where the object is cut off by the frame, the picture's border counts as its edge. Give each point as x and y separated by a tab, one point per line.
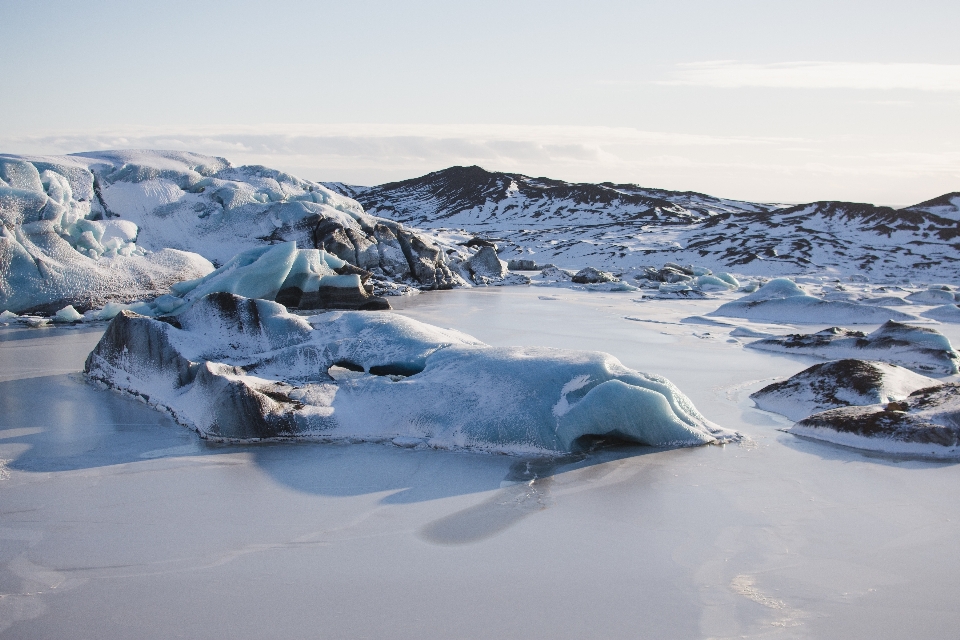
615	226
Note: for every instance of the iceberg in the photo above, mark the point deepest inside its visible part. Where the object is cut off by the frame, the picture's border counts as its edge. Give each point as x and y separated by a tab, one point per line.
841	383
118	226
926	423
782	300
920	349
238	368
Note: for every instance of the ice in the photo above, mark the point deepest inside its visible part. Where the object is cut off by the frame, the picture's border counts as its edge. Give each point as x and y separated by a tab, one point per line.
839	384
67	314
921	349
946	313
931	296
8	316
242	368
782	300
925	423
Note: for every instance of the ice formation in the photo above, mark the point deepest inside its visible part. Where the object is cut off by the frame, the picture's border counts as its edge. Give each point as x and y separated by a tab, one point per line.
946	313
782	300
57	247
125	225
918	348
925	423
840	383
233	367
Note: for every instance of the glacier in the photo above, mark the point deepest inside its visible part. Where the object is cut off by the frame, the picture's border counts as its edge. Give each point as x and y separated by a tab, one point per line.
119	226
238	368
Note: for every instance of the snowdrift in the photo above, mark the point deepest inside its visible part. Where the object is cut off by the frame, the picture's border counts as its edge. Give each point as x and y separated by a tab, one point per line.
233	367
917	348
782	300
925	423
841	383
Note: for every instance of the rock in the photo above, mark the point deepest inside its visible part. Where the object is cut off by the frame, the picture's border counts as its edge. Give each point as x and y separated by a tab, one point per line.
590	275
487	264
840	383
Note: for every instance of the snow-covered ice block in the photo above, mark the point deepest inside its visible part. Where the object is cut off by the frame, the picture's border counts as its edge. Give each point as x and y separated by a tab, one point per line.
946	313
782	300
925	423
232	367
840	383
918	348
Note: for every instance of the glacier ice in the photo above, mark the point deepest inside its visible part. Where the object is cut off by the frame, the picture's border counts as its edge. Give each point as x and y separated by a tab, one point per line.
839	383
921	349
782	300
92	228
233	367
925	423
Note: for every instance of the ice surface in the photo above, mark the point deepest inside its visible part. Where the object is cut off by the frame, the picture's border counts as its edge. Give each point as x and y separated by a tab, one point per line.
840	383
241	368
782	300
119	523
921	349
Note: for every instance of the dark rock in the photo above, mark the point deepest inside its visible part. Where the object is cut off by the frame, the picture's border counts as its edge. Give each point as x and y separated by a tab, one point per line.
523	265
590	275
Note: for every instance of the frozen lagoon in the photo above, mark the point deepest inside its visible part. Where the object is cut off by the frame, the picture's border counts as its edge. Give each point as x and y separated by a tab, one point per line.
118	523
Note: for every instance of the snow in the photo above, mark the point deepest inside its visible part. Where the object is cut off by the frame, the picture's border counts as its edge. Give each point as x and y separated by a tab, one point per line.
782	300
921	349
839	383
419	381
946	313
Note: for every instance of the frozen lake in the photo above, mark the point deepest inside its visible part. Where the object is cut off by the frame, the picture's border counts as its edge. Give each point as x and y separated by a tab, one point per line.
116	522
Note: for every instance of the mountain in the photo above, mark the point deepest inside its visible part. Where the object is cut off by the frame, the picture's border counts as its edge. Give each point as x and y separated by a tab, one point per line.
619	226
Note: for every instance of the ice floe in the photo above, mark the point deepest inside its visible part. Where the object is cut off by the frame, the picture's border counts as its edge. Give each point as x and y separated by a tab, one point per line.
782	300
233	367
840	383
921	349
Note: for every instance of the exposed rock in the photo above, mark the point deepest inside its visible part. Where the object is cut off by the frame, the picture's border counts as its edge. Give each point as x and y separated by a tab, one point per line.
590	275
523	265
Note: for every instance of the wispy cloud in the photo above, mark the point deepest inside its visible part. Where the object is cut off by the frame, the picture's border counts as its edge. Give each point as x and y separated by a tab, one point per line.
819	75
757	168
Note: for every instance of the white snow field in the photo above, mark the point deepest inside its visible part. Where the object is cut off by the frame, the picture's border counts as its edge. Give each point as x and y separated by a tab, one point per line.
117	522
239	368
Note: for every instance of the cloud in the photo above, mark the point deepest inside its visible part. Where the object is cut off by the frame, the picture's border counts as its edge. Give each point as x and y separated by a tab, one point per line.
819	75
753	168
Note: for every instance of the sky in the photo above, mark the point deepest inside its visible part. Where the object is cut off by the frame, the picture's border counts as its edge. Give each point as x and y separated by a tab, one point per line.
767	100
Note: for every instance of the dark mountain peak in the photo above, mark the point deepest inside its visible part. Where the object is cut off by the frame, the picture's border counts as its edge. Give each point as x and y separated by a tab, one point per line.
946	200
